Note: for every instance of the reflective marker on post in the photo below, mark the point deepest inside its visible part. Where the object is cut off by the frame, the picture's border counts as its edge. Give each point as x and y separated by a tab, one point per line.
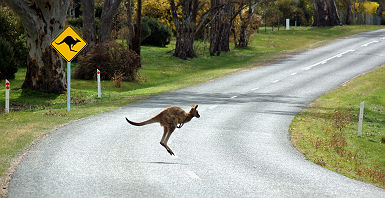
7	96
68	86
99	88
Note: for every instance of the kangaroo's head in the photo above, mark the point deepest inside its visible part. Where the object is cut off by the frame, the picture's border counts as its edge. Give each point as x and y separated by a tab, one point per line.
194	111
77	41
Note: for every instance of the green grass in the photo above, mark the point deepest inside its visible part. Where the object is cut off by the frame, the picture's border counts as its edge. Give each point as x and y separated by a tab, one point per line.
326	132
34	114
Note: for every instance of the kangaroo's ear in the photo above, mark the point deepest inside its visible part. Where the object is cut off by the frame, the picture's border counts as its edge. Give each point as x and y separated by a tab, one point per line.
196	106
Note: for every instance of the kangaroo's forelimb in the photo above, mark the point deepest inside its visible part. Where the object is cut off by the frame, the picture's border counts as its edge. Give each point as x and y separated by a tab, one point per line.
180	125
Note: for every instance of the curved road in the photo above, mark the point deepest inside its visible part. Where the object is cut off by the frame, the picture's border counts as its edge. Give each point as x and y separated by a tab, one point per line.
240	146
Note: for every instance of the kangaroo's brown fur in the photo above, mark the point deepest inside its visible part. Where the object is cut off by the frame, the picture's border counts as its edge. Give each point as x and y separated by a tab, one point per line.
169	118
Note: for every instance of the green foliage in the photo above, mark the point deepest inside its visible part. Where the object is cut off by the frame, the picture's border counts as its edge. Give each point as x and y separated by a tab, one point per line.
8	66
11	29
160	10
276	12
160	34
145	29
76	22
367	7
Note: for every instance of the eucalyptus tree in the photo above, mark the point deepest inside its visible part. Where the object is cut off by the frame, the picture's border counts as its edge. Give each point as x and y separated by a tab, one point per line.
42	20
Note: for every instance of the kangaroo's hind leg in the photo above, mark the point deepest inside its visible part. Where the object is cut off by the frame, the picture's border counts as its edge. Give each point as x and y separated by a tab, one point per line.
170	130
163	142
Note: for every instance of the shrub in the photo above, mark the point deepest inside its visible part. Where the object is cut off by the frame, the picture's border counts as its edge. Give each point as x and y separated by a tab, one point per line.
124	61
110	58
117	80
160	34
11	30
8	66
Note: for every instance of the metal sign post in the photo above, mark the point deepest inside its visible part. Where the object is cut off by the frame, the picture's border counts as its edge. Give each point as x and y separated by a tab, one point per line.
7	96
68	86
99	88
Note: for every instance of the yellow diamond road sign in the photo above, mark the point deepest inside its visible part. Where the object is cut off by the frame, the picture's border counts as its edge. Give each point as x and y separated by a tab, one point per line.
69	44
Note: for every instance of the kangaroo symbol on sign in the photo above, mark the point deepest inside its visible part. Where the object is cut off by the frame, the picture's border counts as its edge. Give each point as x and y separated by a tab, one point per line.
71	42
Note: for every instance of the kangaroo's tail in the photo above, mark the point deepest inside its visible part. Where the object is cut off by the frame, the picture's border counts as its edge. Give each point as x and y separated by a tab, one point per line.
59	43
150	121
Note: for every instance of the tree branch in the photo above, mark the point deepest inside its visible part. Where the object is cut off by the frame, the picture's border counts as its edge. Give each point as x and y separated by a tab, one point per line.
206	14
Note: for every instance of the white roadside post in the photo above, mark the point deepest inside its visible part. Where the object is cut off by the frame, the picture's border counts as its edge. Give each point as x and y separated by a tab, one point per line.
99	87
6	96
287	24
361	116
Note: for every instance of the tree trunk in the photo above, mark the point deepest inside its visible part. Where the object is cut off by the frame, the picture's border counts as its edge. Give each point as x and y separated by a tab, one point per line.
185	41
137	37
130	25
221	28
215	29
43	21
327	14
89	27
245	23
185	28
243	38
380	10
226	30
349	13
109	10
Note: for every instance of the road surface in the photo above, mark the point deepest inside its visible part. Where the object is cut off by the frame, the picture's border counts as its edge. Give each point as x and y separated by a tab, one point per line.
239	147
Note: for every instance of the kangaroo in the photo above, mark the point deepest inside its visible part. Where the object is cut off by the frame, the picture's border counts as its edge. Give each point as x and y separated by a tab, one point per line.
71	42
170	118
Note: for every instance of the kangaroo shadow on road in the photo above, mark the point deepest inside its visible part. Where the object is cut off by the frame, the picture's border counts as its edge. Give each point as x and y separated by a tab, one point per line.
165	163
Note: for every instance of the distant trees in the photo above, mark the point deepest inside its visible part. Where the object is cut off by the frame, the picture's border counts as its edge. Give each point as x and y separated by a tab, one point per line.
249	21
220	26
215	20
89	26
326	13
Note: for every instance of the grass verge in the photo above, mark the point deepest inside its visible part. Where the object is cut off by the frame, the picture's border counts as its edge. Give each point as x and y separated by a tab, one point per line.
326	132
34	114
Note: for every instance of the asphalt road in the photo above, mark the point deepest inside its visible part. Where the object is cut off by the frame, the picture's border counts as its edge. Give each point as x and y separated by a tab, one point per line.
239	147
